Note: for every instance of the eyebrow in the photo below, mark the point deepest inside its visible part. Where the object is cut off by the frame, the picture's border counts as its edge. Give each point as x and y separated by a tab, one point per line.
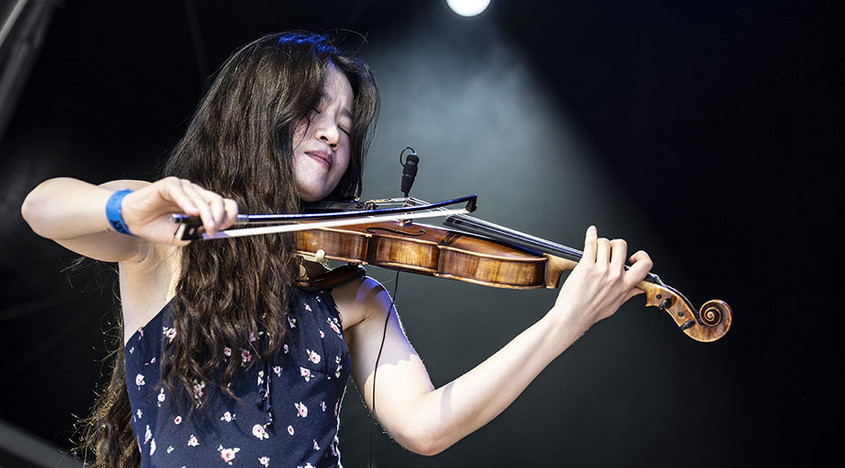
346	110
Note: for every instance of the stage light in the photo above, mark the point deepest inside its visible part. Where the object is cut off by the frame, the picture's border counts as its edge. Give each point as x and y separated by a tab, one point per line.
468	7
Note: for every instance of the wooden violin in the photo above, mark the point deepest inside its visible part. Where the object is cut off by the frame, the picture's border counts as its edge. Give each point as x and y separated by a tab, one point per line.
474	251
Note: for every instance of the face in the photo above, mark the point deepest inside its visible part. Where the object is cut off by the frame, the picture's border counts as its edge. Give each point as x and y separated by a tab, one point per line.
321	145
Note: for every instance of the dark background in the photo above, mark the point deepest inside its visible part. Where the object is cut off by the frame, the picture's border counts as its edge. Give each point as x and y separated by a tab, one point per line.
712	137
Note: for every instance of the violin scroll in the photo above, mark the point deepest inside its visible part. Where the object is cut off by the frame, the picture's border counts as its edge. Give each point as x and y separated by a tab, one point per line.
714	311
709	323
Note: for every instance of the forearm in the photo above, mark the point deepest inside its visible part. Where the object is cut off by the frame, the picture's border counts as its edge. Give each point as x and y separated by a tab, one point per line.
65	208
428	420
449	413
72	213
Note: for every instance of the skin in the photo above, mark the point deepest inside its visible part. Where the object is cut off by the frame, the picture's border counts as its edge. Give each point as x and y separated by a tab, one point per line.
321	145
424	419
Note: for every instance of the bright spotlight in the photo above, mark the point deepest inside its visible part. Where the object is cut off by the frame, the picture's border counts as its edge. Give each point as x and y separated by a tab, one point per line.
468	7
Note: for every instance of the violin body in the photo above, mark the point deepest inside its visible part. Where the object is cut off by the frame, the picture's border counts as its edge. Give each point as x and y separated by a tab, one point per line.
432	251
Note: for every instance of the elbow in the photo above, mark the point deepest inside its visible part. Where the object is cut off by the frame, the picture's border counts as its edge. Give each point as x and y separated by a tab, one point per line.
29	208
32	210
425	448
429	450
424	442
36	206
35	209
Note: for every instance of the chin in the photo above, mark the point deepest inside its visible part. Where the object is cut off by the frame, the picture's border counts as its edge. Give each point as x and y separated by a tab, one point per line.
312	196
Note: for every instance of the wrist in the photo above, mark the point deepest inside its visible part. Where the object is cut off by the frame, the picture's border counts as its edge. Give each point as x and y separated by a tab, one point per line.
567	326
114	213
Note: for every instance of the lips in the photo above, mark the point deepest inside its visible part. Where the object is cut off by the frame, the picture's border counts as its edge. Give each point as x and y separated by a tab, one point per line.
324	158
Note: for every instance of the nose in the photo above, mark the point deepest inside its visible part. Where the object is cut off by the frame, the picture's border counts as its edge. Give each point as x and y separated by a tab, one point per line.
326	130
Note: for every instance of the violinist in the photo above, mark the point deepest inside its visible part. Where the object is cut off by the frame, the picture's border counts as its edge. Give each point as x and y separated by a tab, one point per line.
222	356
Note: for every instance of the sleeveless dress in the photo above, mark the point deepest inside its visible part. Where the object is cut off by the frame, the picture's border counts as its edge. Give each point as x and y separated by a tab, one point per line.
287	415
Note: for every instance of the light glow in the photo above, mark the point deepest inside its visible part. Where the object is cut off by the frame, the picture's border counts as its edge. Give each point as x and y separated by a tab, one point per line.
468	7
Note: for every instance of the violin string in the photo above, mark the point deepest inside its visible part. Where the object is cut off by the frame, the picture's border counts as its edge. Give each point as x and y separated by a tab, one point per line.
378	358
495	231
483	227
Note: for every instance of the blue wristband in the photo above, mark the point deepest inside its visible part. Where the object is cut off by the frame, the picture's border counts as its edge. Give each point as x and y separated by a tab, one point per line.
113	212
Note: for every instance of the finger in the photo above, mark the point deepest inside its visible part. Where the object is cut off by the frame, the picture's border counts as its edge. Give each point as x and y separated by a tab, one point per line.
640	266
231	213
618	254
192	190
174	190
219	210
641	256
589	253
602	251
215	203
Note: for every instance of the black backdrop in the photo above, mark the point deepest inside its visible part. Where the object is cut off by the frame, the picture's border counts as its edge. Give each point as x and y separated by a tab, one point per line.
720	121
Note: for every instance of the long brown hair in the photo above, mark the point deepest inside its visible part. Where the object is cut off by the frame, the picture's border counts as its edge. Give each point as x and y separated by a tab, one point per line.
235	292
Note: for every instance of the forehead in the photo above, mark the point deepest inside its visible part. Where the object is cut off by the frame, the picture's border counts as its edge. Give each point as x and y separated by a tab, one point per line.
336	89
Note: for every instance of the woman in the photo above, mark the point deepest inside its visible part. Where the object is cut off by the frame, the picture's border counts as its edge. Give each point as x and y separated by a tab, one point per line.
224	358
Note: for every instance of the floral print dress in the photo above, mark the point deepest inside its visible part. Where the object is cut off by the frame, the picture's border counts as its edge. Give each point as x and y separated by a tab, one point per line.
288	410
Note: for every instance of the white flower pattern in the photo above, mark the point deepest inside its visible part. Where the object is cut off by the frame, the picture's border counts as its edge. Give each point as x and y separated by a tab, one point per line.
228	454
301	409
259	432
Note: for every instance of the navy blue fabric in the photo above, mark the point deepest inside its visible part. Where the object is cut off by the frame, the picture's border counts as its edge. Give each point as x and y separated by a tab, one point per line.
288	409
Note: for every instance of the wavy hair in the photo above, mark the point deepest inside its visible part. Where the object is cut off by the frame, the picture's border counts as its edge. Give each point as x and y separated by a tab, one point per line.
235	292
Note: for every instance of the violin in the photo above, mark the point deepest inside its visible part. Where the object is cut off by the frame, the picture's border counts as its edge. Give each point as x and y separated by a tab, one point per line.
473	250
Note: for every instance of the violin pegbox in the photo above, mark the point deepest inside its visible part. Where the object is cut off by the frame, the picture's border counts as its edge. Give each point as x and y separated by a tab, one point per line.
709	323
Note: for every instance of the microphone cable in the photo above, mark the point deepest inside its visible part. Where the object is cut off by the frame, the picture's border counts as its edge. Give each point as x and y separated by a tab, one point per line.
409	173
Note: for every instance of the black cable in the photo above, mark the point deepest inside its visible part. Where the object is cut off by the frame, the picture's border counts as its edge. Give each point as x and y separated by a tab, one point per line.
378	357
409	172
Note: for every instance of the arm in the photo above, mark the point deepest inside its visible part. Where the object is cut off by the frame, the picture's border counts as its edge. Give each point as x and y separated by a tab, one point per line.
428	420
72	213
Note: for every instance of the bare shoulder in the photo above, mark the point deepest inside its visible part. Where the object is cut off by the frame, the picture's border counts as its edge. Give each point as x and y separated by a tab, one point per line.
360	300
